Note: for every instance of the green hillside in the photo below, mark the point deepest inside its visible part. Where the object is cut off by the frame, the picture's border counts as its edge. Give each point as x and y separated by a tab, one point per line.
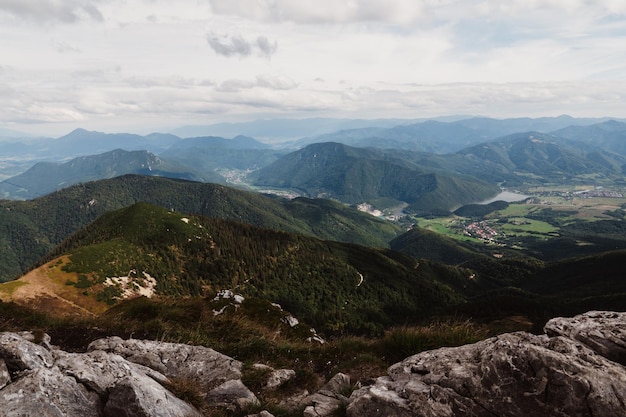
355	175
334	286
514	284
29	229
546	157
494	267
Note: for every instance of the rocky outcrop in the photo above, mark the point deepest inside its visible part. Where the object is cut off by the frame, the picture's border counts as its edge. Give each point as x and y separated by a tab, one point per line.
517	374
575	369
38	380
602	331
205	366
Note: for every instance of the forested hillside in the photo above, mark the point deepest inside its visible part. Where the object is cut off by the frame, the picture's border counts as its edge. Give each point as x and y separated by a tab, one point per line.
32	228
355	175
334	286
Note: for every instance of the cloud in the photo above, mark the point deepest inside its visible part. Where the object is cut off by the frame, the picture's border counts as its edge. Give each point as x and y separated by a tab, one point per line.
266	48
276	82
267	81
322	11
237	45
48	11
233	86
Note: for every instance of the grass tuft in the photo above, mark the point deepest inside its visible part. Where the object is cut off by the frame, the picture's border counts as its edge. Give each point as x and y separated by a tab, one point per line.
401	342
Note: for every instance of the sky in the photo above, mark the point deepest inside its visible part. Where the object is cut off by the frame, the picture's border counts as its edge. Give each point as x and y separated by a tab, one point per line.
142	66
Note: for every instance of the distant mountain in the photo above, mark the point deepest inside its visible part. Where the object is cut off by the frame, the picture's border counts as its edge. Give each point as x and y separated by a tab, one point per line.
81	142
46	177
609	136
355	175
238	142
206	154
544	156
494	128
442	137
421	243
84	142
429	136
514	284
280	130
29	229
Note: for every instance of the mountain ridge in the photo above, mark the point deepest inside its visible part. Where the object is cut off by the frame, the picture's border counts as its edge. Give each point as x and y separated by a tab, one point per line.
32	228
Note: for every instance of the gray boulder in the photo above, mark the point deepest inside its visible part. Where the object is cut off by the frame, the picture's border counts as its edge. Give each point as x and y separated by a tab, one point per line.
279	377
143	397
329	399
47	392
602	331
517	374
5	377
205	366
19	354
233	395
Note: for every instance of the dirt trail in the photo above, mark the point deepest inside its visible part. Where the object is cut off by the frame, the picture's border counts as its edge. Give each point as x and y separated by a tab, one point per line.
42	293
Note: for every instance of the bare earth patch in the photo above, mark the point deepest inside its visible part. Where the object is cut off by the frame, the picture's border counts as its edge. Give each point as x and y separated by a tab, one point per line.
44	289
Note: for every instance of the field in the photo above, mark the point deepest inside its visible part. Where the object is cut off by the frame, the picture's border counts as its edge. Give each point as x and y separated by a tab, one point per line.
541	216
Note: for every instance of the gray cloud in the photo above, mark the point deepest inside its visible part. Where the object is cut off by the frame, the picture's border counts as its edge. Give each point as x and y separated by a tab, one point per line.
237	45
266	48
48	11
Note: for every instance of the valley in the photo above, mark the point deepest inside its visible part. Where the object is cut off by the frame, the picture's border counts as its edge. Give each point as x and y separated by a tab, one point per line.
546	213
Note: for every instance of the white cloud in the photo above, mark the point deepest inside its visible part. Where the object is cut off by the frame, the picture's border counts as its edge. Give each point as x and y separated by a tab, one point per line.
48	11
322	11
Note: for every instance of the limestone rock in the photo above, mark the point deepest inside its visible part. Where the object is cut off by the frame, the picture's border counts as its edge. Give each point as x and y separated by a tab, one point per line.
203	365
100	371
279	377
36	381
19	354
143	397
517	374
5	377
232	394
602	331
263	413
329	399
47	392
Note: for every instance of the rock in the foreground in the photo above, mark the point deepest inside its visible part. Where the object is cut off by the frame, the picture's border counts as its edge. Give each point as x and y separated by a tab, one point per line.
517	374
37	380
602	331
